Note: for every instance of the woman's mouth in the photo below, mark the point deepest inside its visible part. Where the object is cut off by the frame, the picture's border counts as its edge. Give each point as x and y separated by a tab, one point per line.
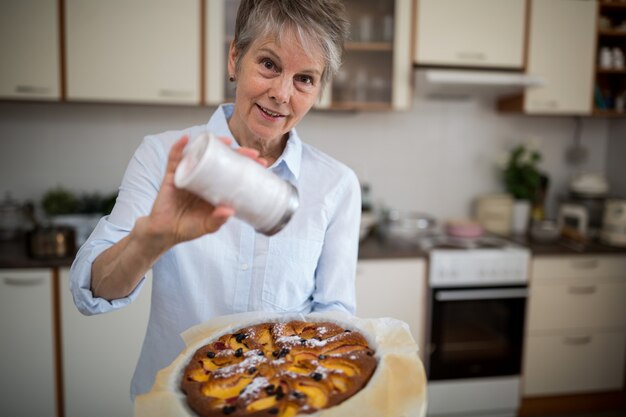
269	114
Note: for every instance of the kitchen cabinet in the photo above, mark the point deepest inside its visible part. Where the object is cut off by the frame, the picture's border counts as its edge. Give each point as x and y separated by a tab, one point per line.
29	46
576	325
220	31
394	288
142	51
27	370
376	72
561	50
610	72
477	33
100	354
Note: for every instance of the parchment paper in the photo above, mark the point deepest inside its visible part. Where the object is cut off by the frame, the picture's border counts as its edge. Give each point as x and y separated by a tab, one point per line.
397	387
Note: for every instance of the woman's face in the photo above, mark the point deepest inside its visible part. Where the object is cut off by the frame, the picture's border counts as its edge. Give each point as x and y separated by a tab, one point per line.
277	84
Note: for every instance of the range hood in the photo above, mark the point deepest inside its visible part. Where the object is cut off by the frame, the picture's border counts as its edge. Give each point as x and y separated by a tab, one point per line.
463	84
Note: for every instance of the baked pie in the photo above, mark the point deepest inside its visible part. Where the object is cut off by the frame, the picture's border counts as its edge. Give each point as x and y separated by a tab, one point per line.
277	369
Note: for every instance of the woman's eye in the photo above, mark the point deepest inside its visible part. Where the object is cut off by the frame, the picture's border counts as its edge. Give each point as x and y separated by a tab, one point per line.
305	79
268	64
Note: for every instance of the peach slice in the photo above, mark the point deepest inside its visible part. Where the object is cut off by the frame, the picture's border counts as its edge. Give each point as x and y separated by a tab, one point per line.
218	389
302	368
199	375
208	364
290	410
341	365
339	382
344	349
261	404
317	394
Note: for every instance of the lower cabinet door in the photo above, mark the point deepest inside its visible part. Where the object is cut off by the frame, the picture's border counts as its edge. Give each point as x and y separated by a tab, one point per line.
100	354
27	382
575	362
393	288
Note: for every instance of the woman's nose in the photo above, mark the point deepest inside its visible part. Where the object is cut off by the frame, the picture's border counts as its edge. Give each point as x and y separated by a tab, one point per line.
280	90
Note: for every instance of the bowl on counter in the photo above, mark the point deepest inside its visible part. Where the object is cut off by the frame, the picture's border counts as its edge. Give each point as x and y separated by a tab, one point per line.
408	225
545	231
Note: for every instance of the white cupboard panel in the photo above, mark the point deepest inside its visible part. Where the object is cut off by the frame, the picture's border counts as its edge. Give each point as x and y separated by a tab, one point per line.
29	46
27	351
393	288
563	55
579	304
133	51
100	354
571	363
546	269
477	33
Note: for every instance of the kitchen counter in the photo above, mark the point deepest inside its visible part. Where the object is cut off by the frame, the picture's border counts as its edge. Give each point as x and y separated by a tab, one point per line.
13	254
376	246
380	247
567	247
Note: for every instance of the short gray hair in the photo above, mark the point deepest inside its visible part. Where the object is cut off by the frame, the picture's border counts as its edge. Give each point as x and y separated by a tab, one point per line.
321	21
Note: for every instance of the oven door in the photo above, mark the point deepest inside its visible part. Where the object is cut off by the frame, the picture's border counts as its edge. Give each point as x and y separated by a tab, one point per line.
476	332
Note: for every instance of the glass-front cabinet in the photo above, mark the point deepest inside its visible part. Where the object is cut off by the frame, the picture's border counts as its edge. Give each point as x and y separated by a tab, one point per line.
376	71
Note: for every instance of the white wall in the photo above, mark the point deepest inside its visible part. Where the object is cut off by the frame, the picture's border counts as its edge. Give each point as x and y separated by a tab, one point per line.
435	158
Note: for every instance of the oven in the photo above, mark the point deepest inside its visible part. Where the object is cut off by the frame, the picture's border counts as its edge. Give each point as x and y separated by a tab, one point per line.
476	332
474	338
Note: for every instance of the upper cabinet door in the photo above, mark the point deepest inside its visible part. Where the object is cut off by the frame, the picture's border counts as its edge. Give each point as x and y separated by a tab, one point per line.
133	51
220	31
561	50
376	72
29	46
477	33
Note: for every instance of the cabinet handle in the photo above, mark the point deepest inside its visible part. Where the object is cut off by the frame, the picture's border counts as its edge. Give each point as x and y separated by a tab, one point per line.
548	104
577	341
586	264
581	290
174	93
23	282
471	56
31	89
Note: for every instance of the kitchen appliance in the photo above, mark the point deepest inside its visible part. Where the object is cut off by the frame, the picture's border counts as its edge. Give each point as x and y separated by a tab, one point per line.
589	190
477	302
494	213
573	221
458	83
614	223
49	242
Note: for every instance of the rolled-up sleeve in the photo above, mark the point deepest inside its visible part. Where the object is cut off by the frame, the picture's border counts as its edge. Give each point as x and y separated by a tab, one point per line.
335	274
136	195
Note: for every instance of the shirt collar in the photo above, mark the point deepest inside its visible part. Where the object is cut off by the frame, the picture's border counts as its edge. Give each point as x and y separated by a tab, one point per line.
291	157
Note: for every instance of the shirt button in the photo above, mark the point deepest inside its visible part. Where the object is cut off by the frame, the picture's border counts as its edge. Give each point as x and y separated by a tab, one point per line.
244	267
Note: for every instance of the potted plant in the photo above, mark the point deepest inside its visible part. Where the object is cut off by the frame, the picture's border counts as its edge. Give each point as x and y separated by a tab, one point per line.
522	179
82	212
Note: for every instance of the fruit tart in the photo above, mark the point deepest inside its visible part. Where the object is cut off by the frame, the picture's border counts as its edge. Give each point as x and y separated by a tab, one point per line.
277	369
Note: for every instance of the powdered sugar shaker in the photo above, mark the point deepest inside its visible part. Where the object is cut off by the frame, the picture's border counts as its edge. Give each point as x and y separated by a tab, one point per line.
218	174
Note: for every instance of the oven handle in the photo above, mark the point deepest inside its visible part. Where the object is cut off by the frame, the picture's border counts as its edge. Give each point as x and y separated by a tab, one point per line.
482	294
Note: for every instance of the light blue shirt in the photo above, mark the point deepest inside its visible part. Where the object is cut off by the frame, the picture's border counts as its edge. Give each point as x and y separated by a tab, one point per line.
308	266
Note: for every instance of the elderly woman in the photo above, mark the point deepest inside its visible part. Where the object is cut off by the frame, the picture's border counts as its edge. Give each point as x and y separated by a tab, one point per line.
206	263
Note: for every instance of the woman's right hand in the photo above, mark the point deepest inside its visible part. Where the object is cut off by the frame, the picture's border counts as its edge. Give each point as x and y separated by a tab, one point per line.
178	215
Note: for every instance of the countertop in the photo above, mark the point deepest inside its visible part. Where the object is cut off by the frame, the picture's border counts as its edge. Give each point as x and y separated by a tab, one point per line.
379	247
13	254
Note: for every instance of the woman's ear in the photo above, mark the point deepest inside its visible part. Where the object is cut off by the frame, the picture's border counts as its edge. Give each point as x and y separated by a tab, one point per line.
232	59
